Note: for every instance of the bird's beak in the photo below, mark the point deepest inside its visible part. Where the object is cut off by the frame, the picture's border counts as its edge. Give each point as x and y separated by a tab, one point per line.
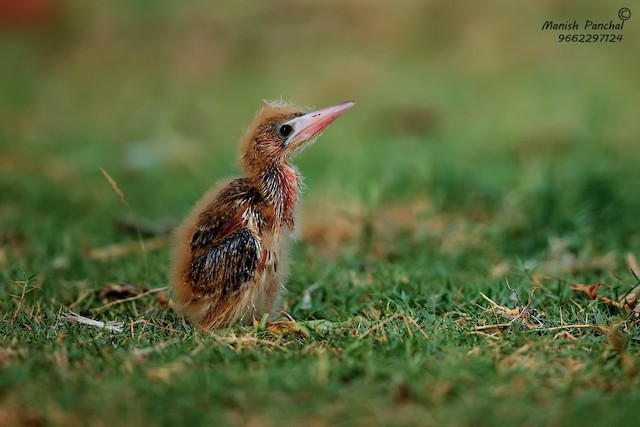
312	124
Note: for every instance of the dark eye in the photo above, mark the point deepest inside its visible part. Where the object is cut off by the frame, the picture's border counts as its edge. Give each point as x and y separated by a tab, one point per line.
285	130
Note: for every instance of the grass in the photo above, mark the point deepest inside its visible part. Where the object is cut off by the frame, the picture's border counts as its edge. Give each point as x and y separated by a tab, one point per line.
485	170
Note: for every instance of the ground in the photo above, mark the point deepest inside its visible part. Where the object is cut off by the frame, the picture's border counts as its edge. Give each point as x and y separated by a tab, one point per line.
468	243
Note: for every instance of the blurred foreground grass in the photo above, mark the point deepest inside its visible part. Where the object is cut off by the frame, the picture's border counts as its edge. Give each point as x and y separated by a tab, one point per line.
480	149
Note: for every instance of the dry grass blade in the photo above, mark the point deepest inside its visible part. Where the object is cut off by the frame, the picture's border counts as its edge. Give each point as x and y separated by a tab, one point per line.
123	199
115	187
415	325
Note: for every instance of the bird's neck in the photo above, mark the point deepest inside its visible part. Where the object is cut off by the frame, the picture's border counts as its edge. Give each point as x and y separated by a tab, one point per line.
278	185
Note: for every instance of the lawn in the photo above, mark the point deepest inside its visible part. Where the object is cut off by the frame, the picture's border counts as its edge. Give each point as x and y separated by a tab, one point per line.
468	250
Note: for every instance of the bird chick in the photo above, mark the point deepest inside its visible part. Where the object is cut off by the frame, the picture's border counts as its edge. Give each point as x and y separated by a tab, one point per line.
230	258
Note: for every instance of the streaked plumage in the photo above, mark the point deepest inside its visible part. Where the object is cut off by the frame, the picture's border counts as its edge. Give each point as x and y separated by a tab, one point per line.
230	258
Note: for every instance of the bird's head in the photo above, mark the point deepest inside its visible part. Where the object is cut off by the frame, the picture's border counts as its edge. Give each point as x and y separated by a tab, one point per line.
280	130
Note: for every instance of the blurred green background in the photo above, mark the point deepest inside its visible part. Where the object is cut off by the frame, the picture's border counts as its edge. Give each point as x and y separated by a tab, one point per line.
458	103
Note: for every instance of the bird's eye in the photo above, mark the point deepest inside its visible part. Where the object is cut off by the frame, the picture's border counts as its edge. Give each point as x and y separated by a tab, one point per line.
285	130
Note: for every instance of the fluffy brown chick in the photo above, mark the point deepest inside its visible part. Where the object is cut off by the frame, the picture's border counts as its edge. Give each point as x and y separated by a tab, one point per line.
230	259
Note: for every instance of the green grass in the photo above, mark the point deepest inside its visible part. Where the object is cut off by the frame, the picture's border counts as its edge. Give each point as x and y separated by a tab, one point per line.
483	158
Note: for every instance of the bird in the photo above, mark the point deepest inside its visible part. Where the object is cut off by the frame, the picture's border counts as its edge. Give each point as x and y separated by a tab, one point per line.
231	259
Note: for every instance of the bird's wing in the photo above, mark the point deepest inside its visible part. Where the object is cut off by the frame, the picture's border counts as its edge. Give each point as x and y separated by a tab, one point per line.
226	263
225	248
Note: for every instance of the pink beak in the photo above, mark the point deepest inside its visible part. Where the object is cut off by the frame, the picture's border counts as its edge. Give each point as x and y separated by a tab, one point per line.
312	124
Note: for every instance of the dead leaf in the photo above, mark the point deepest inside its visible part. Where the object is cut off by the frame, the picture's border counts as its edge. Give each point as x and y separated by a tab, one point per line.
120	290
617	304
627	302
590	290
